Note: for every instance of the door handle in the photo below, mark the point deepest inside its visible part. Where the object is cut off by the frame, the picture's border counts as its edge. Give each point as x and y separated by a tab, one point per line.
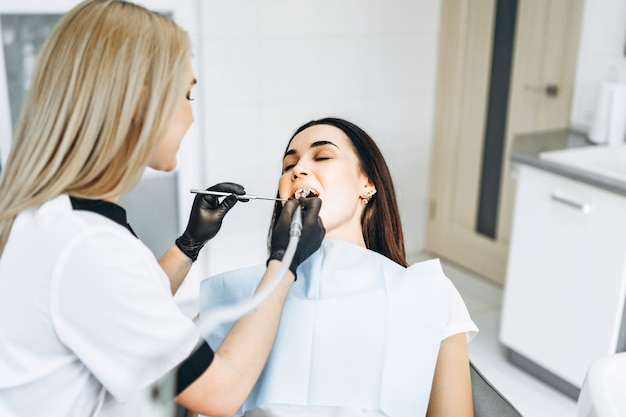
551	90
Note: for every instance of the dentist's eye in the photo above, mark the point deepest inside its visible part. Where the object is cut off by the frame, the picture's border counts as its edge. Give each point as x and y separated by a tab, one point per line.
188	97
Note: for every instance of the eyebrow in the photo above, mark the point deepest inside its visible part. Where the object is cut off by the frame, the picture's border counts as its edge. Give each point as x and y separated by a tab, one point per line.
194	81
313	145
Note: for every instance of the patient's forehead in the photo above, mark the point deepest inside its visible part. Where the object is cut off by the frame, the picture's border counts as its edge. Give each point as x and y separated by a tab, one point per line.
321	133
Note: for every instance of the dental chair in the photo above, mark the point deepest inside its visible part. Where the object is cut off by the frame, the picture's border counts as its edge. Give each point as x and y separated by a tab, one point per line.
488	401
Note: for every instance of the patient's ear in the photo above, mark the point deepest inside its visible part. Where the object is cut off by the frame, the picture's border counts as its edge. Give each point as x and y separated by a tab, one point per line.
369	188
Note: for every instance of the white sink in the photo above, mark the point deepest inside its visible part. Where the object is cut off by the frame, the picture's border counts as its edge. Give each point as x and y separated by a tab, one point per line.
602	393
608	161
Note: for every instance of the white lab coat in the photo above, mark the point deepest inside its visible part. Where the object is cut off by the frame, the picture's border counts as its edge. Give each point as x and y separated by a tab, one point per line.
87	318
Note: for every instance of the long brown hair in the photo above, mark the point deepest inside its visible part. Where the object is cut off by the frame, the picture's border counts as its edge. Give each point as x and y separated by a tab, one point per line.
382	228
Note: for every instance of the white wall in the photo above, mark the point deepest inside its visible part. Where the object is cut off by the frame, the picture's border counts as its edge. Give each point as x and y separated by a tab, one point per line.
268	66
602	56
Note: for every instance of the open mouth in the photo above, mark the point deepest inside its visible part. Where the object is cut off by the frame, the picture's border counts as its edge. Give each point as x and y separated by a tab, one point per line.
305	192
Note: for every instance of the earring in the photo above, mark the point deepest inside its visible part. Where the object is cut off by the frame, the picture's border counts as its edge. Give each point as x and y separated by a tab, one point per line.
366	198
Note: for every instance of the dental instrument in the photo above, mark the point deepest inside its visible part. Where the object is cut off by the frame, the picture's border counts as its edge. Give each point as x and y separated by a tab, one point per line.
232	312
205	325
239	197
305	192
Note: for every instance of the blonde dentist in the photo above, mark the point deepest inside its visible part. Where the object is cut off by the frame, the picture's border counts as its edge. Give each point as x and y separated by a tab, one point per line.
85	308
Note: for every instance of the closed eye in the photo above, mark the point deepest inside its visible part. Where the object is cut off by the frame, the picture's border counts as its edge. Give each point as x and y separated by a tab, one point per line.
324	156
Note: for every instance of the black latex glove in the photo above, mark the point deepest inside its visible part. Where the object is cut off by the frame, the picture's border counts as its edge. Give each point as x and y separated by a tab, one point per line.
206	218
312	231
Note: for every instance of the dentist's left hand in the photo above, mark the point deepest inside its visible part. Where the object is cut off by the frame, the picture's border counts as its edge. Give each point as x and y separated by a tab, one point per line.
206	218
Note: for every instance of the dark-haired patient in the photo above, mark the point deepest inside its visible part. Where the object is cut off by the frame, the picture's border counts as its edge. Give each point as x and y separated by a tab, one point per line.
361	333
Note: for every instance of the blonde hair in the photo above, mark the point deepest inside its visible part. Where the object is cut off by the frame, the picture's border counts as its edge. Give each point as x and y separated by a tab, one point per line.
105	87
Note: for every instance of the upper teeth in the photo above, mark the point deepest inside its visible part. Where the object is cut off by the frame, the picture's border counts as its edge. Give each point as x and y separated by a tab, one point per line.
305	192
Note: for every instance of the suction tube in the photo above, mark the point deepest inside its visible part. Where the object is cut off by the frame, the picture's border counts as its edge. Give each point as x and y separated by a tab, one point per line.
159	406
232	312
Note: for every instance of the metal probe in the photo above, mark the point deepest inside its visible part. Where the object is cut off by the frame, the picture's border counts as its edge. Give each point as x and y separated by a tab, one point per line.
239	197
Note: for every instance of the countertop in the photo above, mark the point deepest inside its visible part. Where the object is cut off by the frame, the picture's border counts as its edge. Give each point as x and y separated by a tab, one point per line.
527	147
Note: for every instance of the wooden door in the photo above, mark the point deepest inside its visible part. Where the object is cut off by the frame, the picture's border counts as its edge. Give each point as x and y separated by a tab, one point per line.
467	166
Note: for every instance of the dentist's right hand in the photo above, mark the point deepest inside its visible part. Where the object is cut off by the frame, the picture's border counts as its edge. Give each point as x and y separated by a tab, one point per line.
312	231
206	216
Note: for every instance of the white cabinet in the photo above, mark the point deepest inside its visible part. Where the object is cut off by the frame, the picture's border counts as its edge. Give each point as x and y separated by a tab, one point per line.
565	285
